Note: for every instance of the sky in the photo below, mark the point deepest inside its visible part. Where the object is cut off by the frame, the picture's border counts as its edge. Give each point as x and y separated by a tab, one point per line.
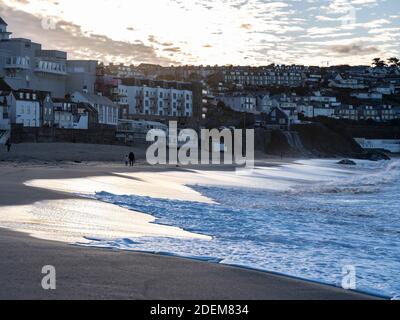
209	32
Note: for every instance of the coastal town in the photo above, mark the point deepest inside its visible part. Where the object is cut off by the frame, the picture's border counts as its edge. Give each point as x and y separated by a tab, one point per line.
45	97
200	158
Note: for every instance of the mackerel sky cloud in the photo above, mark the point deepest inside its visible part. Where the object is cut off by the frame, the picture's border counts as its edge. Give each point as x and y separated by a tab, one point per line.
252	32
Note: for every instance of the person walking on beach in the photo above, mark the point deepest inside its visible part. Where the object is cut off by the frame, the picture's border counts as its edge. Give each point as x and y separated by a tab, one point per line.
131	159
8	145
126	160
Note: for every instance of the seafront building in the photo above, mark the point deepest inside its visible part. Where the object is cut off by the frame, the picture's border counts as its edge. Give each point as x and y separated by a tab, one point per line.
157	99
24	108
25	65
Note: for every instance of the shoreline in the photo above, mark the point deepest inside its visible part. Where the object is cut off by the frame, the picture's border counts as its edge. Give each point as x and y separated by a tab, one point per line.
74	170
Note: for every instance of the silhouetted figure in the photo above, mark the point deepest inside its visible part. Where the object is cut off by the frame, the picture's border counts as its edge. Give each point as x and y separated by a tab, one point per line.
8	145
131	159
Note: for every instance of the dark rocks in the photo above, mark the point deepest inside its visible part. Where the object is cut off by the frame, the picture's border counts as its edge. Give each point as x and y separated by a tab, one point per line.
347	162
374	156
378	156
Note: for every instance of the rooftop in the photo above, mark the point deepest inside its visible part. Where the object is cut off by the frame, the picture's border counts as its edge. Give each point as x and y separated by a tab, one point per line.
95	98
2	22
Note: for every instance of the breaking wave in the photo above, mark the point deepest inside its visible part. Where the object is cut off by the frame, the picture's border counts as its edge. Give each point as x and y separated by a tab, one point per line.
342	216
377	176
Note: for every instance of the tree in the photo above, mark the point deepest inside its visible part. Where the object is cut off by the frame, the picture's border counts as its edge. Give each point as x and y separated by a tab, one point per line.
379	63
394	62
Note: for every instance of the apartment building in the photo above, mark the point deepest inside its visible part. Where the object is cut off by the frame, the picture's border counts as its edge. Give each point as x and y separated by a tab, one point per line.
156	98
290	76
25	65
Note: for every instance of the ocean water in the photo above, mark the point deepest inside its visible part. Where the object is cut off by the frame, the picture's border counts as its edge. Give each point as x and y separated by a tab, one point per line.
328	217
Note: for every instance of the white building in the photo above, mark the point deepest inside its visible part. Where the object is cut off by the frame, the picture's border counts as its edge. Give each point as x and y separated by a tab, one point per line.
107	110
324	111
392	145
318	97
386	89
240	103
368	95
156	101
340	82
24	108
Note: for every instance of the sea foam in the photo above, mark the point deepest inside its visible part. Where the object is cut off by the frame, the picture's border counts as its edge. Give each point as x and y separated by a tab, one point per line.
330	216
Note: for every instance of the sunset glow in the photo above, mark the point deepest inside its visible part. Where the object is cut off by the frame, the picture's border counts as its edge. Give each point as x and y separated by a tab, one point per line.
256	32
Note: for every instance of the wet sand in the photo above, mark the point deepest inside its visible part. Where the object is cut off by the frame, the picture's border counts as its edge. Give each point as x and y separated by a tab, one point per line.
90	273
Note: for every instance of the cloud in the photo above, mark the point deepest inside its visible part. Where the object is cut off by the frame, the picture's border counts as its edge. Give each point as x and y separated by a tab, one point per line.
246	26
255	32
78	44
357	49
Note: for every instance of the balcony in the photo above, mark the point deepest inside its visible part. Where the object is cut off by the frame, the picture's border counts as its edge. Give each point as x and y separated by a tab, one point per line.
51	68
17	63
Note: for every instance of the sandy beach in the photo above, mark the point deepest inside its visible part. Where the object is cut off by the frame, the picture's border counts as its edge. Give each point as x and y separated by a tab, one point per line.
43	216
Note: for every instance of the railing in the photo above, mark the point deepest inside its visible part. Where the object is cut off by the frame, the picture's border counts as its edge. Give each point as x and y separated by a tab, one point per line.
17	62
51	67
62	73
